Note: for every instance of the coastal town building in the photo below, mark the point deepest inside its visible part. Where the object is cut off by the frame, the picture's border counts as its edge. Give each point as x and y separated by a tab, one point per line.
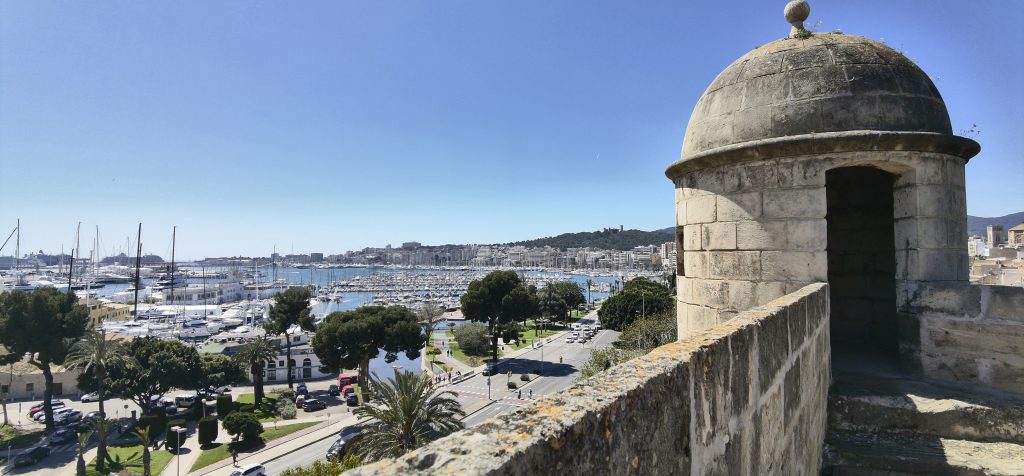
996	235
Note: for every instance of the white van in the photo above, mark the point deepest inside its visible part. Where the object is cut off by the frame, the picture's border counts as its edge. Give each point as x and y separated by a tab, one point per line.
185	401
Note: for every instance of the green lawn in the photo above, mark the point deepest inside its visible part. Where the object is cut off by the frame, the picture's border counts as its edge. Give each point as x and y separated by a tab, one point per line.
219	451
531	336
18	438
130	458
266	411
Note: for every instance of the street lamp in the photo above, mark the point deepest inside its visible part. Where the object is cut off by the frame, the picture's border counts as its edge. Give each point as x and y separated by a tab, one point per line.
177	432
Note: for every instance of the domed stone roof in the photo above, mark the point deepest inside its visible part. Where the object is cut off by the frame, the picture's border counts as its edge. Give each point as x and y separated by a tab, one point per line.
827	82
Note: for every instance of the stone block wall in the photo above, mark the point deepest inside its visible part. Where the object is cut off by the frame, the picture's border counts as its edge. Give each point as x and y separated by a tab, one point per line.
752	231
745	397
968	332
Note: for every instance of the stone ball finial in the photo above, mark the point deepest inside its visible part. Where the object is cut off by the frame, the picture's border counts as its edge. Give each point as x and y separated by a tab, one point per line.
796	12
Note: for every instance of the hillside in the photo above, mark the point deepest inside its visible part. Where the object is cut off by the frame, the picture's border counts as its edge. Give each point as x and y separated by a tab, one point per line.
976	225
608	239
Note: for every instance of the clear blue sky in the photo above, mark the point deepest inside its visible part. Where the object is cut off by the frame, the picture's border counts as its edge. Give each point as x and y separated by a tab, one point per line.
327	126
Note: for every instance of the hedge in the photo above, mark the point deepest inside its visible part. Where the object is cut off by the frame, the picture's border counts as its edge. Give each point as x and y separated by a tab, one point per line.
170	438
208	427
224	405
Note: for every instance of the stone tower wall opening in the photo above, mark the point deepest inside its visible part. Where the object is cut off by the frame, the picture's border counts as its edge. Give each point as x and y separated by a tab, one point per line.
862	259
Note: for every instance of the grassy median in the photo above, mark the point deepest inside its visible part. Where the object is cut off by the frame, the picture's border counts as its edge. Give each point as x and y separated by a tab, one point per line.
220	451
129	458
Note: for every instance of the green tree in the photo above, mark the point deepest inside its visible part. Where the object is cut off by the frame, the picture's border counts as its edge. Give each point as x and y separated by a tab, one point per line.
638	298
256	354
352	338
94	353
570	293
41	324
552	305
590	284
290	309
142	433
406	413
243	425
156	366
649	332
207	430
491	300
472	338
220	370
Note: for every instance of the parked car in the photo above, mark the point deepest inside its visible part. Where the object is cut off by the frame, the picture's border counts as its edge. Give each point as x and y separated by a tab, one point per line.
250	470
38	408
352	399
313	405
348	390
41	416
185	401
333	390
31	456
90	397
62	436
93	415
170	408
68	417
301	389
570	340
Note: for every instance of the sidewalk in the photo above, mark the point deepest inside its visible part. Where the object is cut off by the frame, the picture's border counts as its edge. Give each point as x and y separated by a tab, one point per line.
281	446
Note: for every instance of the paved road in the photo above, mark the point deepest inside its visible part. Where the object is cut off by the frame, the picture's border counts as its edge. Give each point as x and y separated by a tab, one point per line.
472	393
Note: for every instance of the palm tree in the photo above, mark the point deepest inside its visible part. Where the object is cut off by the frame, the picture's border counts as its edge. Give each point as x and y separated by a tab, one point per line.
94	352
590	282
83	441
142	433
407	413
256	354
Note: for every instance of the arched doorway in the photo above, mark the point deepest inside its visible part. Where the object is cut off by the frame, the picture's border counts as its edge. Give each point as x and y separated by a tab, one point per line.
862	263
307	368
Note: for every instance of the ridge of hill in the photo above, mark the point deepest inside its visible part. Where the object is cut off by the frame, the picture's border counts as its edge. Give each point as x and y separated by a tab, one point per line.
977	225
608	239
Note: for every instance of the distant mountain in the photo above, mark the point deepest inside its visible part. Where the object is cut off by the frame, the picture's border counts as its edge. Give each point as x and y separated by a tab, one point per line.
977	225
608	239
668	231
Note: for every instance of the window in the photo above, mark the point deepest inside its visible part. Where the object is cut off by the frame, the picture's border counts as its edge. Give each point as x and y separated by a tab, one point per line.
30	387
280	363
4	389
295	339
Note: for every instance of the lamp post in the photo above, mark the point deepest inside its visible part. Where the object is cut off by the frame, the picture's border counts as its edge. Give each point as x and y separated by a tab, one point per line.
177	432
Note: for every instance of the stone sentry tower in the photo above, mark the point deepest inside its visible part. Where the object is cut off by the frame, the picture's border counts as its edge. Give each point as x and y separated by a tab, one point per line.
821	157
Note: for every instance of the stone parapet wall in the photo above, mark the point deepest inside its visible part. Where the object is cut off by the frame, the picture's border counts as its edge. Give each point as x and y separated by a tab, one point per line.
968	332
744	397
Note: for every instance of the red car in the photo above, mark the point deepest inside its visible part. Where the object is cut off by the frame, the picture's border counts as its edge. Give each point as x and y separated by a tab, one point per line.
347	390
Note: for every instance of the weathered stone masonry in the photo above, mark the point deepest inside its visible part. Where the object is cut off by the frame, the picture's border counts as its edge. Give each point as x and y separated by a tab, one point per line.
745	397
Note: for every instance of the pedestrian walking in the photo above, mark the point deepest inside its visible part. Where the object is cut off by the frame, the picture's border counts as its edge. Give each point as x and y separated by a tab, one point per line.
520	396
234	457
531	393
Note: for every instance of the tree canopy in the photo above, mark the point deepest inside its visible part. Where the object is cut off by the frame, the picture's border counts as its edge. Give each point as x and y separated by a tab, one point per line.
220	370
472	338
350	339
290	309
158	366
498	299
638	297
42	324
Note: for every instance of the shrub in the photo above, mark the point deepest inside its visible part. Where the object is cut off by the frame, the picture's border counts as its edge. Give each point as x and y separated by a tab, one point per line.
513	385
244	425
171	438
153	422
248	407
224	405
285	409
472	338
207	430
525	377
286	395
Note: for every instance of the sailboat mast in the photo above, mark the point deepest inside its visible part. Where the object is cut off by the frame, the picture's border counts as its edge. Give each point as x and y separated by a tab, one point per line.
174	237
138	274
